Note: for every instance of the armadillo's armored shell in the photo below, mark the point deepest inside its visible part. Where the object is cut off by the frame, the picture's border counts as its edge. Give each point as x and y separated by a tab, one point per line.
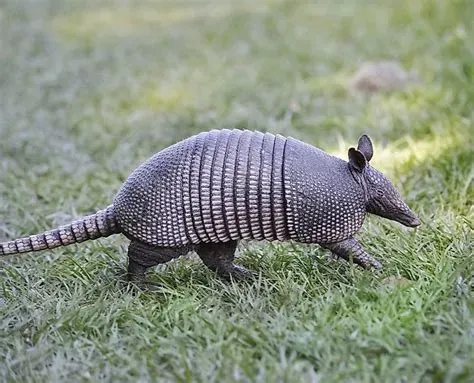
213	187
226	185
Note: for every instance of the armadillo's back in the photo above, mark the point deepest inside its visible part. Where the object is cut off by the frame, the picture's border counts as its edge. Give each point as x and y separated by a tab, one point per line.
213	187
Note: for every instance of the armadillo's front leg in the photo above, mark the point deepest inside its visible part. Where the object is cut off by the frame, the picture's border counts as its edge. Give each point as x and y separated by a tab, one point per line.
352	249
219	257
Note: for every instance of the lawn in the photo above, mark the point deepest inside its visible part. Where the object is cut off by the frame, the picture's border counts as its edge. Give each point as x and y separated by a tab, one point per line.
89	89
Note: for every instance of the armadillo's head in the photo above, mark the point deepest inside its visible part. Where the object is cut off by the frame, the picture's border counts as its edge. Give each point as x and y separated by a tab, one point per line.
381	196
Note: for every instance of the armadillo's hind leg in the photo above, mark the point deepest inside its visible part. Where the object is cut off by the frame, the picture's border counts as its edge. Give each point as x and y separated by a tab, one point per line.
351	249
141	256
219	257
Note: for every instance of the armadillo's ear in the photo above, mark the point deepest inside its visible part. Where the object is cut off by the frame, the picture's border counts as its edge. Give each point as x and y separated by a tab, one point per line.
365	147
357	159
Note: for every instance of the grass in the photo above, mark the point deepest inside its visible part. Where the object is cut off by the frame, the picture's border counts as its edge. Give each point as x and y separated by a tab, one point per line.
90	89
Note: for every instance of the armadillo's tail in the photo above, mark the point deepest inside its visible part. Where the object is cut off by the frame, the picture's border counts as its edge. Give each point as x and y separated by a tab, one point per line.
101	224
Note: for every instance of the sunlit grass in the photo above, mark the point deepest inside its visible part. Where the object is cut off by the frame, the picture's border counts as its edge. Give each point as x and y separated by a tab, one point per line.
92	88
407	149
123	20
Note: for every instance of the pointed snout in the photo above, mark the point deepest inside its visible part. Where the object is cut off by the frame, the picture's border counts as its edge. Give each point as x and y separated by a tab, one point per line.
414	222
409	219
402	214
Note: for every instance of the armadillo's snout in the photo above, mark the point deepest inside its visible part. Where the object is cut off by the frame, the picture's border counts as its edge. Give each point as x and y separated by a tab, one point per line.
410	219
415	222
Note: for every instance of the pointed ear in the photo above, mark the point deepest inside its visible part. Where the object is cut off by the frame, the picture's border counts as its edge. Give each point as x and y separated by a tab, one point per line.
357	160
365	147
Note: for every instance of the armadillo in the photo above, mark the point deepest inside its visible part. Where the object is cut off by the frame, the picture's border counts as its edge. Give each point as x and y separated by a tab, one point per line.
207	192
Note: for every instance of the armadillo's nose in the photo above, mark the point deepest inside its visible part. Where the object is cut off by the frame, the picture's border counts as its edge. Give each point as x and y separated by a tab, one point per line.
415	222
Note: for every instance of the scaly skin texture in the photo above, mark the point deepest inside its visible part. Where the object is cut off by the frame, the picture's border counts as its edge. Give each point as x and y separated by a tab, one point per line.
209	191
100	224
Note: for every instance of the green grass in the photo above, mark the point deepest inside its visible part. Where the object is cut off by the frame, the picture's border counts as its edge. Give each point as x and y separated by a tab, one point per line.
89	89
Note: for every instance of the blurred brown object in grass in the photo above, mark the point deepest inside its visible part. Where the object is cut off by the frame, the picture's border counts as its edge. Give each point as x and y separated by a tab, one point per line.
382	76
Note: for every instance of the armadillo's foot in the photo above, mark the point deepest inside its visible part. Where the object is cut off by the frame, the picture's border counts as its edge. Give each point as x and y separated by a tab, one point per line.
350	249
136	272
142	256
235	273
239	273
219	257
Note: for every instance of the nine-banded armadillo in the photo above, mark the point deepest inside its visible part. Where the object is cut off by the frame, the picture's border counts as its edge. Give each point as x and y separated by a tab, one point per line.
212	189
